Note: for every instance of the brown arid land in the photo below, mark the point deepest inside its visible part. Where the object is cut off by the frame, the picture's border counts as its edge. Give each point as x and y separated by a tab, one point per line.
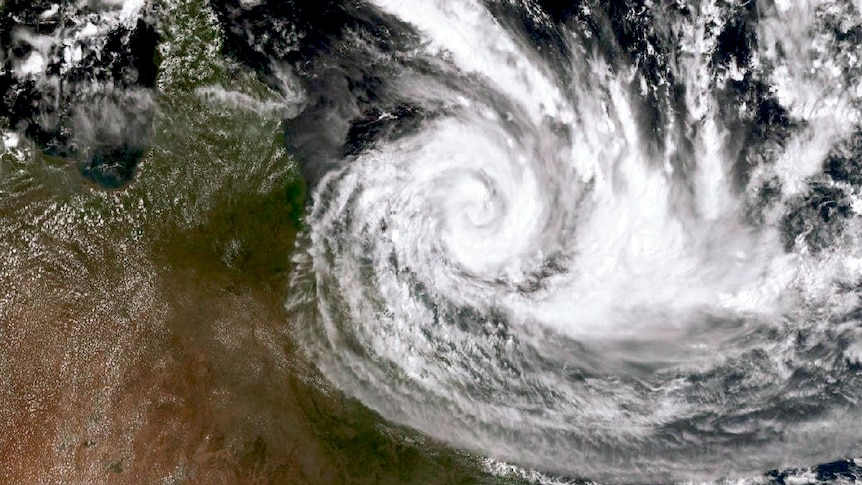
143	331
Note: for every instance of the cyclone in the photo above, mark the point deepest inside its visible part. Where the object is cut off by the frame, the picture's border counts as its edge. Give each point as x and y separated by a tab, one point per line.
596	260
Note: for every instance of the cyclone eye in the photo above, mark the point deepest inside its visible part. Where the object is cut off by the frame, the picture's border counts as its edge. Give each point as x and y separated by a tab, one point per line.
569	236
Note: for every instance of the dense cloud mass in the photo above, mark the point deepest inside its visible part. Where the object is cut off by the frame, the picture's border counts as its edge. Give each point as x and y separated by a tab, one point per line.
584	238
612	241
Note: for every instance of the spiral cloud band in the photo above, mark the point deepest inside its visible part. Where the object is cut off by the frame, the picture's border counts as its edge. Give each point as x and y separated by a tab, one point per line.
527	264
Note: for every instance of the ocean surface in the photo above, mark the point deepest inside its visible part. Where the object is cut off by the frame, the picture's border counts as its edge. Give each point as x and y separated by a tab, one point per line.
524	240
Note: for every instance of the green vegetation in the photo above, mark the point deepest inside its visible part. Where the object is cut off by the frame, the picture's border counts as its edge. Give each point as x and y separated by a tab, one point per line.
213	216
366	450
236	217
228	197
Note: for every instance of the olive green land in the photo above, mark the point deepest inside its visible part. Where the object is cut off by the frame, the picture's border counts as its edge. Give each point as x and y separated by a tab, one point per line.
143	331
